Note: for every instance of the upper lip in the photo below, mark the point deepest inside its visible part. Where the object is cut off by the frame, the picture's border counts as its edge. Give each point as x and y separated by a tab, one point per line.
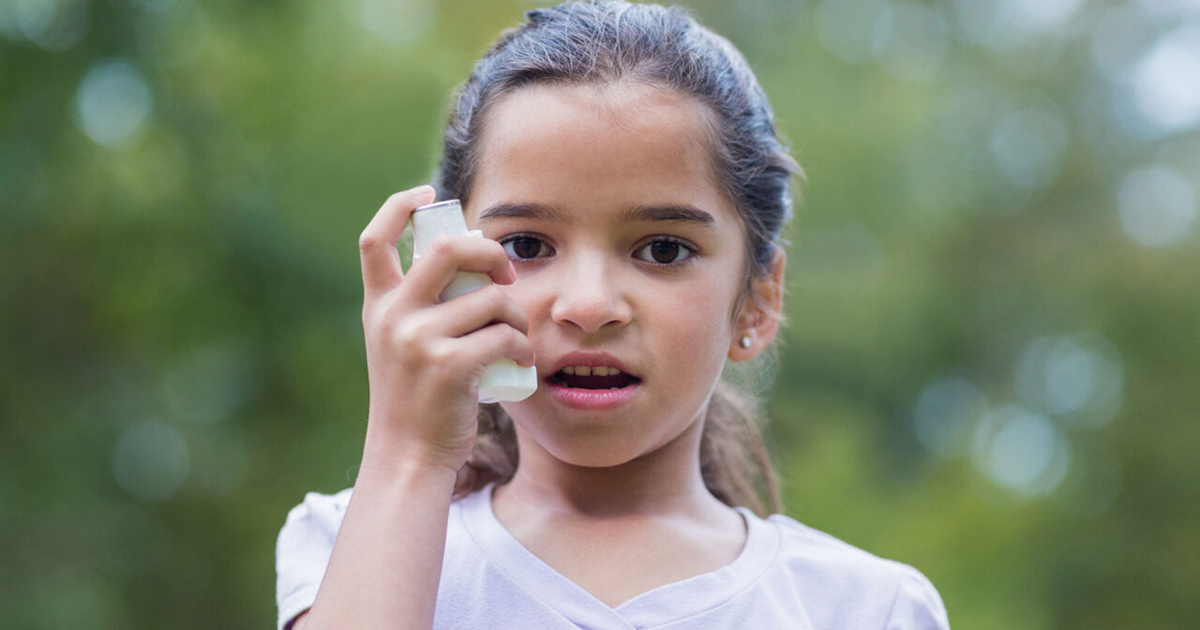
590	359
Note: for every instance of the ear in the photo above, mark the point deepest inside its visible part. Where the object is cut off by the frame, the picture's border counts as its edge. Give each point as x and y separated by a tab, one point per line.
761	313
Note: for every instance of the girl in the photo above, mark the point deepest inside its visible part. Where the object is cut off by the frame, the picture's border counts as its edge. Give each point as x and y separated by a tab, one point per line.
622	162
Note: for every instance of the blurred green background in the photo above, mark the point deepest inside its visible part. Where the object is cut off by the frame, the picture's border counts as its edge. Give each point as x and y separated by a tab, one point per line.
992	368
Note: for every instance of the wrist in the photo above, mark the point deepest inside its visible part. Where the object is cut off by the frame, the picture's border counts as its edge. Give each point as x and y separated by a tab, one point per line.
395	462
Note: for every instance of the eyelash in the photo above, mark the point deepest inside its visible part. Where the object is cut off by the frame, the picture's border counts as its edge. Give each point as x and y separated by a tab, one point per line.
691	250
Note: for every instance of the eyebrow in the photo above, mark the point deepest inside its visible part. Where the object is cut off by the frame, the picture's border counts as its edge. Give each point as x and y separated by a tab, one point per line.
672	212
535	211
540	212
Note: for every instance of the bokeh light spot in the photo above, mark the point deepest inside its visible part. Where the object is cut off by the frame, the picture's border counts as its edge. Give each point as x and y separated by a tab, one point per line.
999	24
1156	205
1021	451
946	414
1166	82
1043	15
1171	8
54	25
397	21
1079	377
150	461
845	28
207	385
112	103
1122	35
1027	147
909	41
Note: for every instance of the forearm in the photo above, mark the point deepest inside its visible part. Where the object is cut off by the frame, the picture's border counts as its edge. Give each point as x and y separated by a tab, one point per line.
387	559
423	362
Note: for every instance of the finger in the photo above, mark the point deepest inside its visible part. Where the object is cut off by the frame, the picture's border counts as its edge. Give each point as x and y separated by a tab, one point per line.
446	256
377	245
468	313
492	343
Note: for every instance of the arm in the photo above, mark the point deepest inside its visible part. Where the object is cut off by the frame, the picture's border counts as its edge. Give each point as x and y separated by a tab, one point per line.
424	360
387	560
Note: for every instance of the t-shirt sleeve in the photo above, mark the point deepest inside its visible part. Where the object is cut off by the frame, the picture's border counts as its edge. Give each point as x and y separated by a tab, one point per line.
918	605
302	552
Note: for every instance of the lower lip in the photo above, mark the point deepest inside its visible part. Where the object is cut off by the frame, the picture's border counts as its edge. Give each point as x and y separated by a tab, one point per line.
592	399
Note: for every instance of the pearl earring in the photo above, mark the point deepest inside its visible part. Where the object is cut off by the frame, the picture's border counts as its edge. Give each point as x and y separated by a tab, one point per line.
745	342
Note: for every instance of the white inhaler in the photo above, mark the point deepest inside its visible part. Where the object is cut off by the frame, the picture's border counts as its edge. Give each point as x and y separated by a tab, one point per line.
503	380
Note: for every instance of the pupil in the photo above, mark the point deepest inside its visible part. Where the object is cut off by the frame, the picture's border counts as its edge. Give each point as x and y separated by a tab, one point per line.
664	251
525	247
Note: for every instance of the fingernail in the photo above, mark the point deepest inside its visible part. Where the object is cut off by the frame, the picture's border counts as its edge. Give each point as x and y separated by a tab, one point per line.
425	190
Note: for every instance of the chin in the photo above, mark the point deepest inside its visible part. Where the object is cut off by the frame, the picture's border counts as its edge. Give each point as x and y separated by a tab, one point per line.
595	458
597	451
584	446
594	452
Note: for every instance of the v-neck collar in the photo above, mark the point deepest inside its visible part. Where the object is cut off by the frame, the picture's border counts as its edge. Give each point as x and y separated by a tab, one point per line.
657	606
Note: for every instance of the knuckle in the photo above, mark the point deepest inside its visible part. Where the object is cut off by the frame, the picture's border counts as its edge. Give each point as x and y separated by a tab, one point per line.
439	358
375	312
408	335
367	241
517	338
441	247
493	294
494	249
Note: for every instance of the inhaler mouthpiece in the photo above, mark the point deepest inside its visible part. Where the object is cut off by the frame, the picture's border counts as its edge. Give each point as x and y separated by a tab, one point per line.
504	380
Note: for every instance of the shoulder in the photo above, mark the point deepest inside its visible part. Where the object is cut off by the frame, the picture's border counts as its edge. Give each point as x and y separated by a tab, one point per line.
307	536
305	545
303	549
849	578
318	513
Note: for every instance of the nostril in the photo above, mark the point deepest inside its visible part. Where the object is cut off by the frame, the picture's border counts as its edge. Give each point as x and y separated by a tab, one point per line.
589	307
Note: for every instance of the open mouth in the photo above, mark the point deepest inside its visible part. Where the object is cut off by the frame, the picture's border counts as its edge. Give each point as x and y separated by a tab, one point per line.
599	377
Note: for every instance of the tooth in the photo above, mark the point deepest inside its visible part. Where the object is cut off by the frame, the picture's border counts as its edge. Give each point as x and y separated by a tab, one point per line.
583	370
570	369
612	371
599	370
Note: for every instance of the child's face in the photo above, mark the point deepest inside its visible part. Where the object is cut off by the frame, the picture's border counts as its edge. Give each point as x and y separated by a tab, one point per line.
626	250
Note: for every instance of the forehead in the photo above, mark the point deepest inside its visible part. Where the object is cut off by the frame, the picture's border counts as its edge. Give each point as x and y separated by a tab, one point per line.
595	147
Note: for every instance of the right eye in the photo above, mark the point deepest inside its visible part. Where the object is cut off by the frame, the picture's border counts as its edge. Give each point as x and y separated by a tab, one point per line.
525	247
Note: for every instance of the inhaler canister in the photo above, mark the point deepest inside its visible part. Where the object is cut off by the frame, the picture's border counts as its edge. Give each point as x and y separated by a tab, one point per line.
503	380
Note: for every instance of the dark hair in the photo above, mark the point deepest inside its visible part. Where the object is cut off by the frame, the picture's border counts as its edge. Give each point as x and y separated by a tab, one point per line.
611	42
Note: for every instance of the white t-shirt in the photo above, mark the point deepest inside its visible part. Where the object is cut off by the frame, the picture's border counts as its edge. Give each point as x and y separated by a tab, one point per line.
788	575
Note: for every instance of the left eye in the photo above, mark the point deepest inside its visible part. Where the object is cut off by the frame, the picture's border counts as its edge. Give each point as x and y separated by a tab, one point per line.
664	252
526	247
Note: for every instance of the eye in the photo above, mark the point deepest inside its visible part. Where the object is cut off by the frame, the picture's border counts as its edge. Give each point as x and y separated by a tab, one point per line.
525	247
664	252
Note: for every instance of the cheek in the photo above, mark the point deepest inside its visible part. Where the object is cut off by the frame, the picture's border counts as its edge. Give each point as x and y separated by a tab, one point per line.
695	320
531	297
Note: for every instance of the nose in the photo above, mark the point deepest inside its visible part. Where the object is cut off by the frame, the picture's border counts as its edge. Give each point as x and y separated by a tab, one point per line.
591	296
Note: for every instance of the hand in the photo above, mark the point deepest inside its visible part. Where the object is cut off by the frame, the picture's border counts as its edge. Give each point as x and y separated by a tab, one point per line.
424	359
